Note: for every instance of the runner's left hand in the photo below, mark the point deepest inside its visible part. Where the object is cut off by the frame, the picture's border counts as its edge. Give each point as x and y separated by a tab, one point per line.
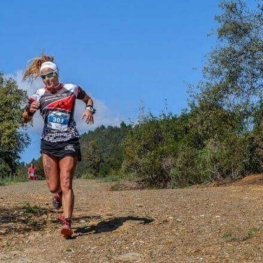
89	117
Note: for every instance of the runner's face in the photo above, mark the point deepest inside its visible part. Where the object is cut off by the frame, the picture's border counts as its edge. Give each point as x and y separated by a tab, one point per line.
50	82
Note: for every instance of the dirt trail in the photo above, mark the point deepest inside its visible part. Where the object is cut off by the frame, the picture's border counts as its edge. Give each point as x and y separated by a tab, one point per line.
198	224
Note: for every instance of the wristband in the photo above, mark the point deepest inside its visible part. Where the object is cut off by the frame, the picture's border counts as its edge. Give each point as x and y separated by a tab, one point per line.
91	109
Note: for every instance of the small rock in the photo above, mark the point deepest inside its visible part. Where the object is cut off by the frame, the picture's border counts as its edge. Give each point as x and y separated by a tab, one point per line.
109	214
3	231
15	253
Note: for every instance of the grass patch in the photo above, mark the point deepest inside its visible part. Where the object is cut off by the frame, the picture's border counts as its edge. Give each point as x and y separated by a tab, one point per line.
88	176
112	178
227	235
8	181
252	232
31	209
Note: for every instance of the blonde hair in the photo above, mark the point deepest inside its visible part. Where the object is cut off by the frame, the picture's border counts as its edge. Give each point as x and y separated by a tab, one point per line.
33	68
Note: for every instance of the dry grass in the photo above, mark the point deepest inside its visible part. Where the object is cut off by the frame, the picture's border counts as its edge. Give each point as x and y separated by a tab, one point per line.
197	224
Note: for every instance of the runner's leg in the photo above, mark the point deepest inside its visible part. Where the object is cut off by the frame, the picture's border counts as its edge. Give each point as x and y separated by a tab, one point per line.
67	167
51	169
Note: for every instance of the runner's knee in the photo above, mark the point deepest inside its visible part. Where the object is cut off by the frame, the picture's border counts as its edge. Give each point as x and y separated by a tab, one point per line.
53	188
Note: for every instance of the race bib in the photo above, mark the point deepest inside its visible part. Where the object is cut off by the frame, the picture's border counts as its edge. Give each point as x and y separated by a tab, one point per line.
58	121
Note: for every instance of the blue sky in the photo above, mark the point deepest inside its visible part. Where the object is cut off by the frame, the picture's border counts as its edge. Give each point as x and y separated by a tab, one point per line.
123	53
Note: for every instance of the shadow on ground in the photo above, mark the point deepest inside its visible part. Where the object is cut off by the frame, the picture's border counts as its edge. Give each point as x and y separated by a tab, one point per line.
110	225
22	219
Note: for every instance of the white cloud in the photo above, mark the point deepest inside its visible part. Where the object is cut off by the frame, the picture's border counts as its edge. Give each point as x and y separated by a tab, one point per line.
103	115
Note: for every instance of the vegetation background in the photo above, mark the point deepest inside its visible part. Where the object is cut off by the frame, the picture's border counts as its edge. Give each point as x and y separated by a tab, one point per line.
218	137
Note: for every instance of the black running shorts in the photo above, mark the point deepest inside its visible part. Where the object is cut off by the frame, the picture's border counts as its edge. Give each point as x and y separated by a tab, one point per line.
62	149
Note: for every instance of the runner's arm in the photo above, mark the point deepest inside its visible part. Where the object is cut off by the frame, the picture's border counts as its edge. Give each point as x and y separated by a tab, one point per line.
88	100
89	111
30	110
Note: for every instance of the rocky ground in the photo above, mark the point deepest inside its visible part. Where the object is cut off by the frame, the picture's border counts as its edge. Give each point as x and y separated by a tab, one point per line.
196	224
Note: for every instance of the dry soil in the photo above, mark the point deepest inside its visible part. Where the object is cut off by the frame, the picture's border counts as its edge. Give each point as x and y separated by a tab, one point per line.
196	224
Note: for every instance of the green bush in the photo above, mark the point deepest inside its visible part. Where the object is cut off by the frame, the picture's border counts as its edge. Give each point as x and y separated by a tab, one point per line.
150	148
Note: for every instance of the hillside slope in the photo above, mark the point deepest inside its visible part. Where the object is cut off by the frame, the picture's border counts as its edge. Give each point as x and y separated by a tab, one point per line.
197	224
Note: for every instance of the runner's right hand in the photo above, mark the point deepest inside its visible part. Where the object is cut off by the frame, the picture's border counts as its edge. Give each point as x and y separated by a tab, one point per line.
34	106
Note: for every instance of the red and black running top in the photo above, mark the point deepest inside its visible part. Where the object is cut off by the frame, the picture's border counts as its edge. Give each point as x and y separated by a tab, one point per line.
57	110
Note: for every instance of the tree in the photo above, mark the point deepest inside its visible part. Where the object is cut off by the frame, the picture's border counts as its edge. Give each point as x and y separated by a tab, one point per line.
235	67
13	139
226	106
102	150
